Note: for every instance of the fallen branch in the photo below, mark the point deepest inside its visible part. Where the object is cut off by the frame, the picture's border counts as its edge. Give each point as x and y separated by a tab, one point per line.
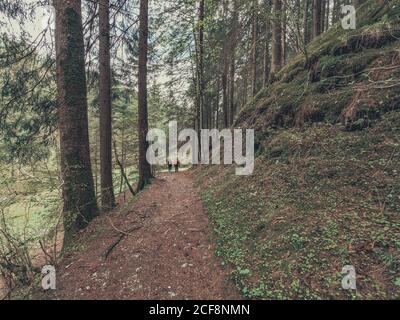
119	239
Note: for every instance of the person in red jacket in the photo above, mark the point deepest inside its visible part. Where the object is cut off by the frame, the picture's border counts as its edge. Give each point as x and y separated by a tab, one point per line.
176	165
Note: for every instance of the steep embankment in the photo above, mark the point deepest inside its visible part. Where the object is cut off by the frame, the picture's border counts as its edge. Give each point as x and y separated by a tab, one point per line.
326	188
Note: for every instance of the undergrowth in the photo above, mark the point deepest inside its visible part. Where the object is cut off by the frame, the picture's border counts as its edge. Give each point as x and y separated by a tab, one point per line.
319	199
326	188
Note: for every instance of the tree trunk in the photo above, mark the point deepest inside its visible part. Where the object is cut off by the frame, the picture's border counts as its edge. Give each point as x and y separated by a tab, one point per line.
224	83
196	80
245	85
316	25
254	49
144	166
335	11
323	7
232	62
95	164
216	115
266	58
232	89
107	189
276	38
327	14
283	34
78	188
305	22
203	112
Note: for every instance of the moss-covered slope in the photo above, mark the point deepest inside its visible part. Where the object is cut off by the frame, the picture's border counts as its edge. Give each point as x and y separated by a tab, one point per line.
347	76
326	188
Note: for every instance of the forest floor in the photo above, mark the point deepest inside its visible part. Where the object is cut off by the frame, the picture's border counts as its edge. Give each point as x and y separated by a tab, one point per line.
157	245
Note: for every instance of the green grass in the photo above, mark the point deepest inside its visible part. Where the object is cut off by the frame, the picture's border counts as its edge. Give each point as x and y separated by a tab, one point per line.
36	208
33	215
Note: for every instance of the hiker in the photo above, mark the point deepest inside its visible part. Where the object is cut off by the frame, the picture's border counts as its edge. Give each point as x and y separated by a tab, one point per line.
176	165
169	164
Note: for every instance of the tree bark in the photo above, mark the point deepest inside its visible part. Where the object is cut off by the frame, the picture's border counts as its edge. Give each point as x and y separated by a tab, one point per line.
216	115
95	164
107	189
232	89
316	25
335	11
327	14
203	112
245	85
232	62
78	188
323	7
266	58
254	49
224	82
276	63
143	127
283	34
305	22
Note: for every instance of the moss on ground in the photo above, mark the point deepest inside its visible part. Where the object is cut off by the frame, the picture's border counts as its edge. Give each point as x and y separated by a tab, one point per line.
326	188
319	199
344	78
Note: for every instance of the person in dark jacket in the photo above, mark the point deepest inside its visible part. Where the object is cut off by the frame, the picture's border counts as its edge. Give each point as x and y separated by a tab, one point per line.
169	164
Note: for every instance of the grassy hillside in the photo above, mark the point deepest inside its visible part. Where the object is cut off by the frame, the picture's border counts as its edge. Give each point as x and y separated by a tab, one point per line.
326	188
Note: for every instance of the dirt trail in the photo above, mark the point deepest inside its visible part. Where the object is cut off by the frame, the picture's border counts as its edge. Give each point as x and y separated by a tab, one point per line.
170	256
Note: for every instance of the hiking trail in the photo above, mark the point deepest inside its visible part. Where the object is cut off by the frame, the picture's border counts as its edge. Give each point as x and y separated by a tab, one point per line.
159	247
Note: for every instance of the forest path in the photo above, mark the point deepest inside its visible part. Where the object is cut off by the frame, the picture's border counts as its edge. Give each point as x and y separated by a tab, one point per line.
169	255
